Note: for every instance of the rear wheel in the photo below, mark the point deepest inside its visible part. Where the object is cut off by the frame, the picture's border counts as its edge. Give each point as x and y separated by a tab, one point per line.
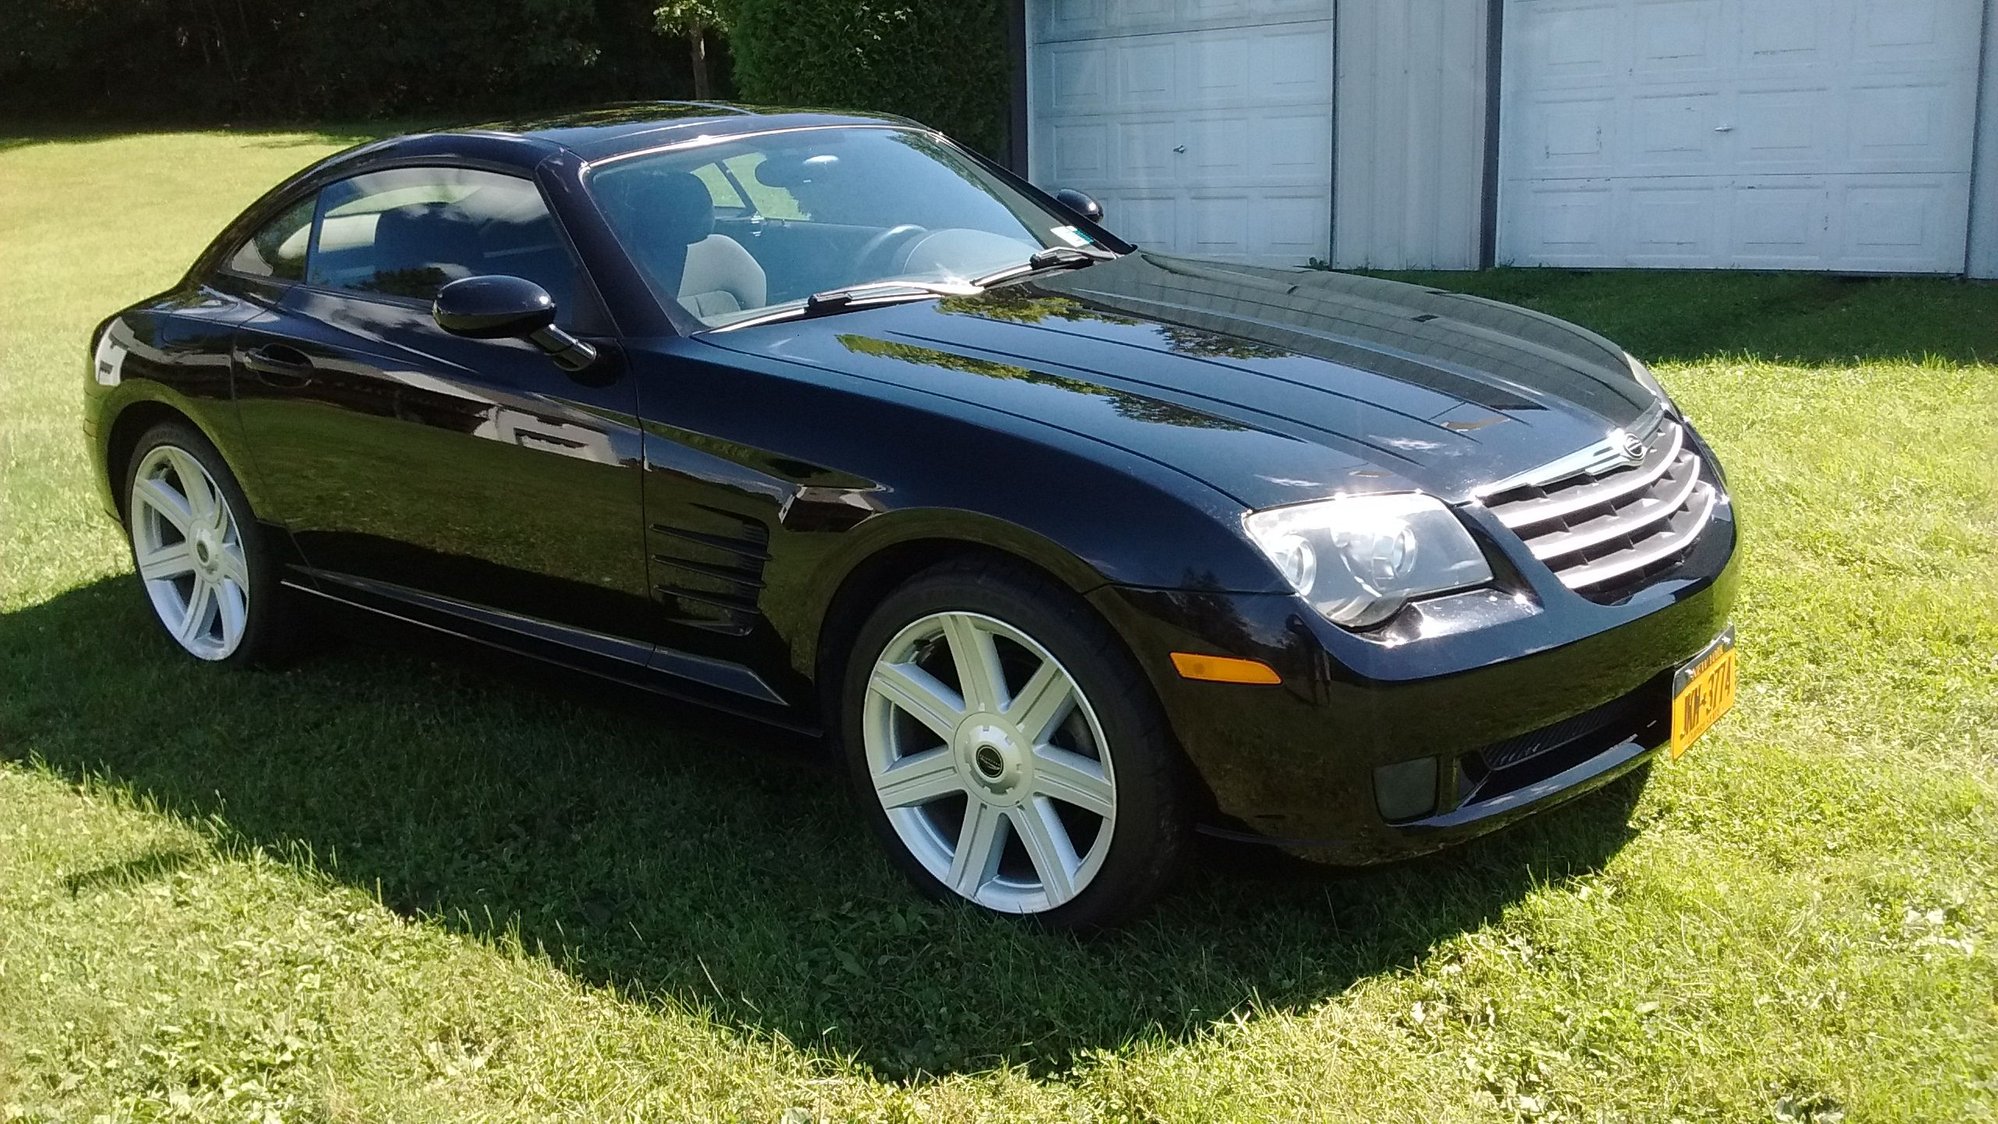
199	553
1008	751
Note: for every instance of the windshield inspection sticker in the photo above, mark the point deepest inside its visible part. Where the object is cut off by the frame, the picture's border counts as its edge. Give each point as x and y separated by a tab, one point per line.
110	362
1072	236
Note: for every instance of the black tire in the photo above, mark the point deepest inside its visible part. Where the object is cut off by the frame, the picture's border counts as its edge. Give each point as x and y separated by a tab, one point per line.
1149	832
272	617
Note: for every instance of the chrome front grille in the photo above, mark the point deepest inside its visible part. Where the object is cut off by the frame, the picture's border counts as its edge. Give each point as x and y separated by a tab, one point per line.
1603	530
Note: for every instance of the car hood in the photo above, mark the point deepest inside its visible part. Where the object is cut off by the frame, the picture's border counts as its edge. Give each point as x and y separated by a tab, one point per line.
1270	385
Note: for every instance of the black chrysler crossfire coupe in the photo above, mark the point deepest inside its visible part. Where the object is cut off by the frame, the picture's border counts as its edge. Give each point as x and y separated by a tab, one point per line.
1071	547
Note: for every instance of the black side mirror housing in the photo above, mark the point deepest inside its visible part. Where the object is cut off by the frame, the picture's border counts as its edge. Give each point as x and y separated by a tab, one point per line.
1080	203
499	307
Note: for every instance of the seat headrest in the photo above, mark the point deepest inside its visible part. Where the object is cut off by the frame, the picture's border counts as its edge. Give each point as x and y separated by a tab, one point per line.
785	170
674	207
426	236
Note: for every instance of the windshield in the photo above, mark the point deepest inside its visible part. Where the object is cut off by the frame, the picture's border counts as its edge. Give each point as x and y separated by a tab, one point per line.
733	228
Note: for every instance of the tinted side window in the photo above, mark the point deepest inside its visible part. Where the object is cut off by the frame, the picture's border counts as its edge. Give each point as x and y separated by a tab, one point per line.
409	232
278	250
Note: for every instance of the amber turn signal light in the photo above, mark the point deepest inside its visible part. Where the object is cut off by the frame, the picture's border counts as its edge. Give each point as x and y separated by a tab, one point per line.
1223	669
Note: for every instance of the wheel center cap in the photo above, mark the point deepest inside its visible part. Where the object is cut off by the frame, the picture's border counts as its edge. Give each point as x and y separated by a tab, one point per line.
202	553
991	763
992	757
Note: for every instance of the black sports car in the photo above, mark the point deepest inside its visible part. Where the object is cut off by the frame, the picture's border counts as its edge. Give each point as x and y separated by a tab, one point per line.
1070	546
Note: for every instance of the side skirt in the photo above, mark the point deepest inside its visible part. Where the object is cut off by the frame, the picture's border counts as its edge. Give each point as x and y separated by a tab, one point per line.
718	684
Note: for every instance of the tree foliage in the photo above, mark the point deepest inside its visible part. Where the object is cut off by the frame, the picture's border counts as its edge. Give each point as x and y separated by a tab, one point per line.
137	60
694	21
942	62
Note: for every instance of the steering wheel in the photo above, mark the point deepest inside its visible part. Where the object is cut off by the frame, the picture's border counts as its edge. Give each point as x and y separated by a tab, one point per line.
877	246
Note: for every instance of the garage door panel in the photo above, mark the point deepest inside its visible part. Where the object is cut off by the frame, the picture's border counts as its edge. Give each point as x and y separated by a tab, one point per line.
1082	149
1678	40
1218	148
1926	32
1782	34
1781	225
1783	130
1215	69
1566	43
1675	226
1053	21
1144	150
1298	64
1077	80
1199	11
1568	137
1147	72
1900	223
1148	220
1907	127
1212	122
1673	134
1219	226
1819	134
1565	224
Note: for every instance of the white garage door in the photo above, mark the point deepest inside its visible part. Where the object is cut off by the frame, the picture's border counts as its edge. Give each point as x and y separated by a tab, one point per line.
1202	126
1760	134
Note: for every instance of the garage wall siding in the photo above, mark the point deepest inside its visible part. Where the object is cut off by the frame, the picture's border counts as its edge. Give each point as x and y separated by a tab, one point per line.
1410	104
1984	177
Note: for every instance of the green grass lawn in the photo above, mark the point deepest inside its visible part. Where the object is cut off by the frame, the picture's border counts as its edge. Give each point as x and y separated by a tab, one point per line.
396	885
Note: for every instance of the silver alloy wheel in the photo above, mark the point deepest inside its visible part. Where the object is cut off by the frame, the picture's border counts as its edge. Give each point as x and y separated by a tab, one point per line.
990	762
189	551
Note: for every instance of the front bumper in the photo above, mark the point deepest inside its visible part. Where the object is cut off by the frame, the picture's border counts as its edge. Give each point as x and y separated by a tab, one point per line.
1520	714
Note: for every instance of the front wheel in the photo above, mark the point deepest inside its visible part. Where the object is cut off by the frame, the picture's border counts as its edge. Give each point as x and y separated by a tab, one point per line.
206	573
1009	752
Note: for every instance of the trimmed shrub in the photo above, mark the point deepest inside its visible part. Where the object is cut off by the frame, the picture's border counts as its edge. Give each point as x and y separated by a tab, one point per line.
942	62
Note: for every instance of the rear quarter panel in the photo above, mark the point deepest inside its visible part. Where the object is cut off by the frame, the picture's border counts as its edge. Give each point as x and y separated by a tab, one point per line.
167	353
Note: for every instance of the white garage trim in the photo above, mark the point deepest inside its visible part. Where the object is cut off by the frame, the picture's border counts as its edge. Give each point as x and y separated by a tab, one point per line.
1761	134
1984	178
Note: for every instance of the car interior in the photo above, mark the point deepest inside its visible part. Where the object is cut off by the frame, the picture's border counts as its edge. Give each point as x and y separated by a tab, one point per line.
728	229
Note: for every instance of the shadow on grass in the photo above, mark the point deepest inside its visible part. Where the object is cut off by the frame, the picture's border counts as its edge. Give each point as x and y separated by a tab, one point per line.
1806	318
668	851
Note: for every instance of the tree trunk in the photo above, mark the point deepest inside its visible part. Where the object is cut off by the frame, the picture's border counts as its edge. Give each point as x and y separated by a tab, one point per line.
697	48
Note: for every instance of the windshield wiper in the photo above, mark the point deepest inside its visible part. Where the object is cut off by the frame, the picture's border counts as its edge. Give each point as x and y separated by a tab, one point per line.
855	296
1054	257
834	299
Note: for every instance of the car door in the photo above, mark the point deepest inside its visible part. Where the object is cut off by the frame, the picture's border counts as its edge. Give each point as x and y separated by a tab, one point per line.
470	481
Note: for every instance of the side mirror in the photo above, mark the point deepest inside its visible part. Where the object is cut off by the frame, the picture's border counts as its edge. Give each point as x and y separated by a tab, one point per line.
1079	203
494	308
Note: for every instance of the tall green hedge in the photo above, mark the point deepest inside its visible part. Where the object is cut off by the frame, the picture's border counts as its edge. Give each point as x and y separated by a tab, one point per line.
942	62
343	60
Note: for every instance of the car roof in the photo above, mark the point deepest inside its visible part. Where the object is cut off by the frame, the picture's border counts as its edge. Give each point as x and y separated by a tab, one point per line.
605	131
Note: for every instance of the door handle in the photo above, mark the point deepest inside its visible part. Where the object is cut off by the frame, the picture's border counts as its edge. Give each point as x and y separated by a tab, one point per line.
279	365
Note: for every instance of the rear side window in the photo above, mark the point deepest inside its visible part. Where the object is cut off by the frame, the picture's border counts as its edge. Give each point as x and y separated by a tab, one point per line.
278	250
409	232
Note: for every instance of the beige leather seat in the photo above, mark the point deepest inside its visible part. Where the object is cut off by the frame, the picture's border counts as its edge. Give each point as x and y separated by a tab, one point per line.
720	276
669	221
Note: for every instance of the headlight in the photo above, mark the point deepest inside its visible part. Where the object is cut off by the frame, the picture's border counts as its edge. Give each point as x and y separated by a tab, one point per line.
1649	381
1359	560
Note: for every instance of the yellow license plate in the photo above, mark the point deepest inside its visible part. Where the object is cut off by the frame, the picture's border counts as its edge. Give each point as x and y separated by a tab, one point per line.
1702	691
